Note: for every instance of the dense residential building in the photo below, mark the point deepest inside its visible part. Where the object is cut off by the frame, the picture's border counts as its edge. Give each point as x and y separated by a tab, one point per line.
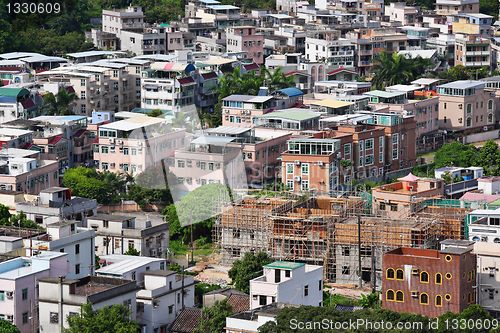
19	279
320	46
288	282
60	298
472	51
244	39
115	234
453	7
429	282
465	106
17	103
128	267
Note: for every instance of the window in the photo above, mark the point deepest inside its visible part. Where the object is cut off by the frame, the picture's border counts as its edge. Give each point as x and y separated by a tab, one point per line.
306	290
25	317
448	276
400	275
439	300
394	207
82	95
170	309
345	270
369	160
490	104
320	284
115	73
400	297
424	277
424	299
289	168
389	295
305	185
448	258
347	149
491	294
104	150
77	269
361	145
203	166
382	206
181	164
390	273
394	154
262	300
125	151
2	295
490	118
54	318
305	168
25	294
469	108
82	82
439	278
381	157
369	144
287	273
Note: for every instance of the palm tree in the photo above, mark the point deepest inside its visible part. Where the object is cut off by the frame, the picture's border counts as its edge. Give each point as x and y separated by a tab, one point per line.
277	79
182	121
58	104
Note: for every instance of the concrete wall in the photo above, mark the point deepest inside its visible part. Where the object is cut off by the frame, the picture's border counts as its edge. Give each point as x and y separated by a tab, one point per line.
471	138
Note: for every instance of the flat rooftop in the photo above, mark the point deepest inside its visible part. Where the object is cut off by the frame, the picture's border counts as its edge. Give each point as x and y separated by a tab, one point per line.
284	265
120	264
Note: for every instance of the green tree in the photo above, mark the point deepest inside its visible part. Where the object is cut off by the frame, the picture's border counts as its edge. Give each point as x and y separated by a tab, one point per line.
181	120
371	301
455	73
97	264
455	154
132	252
155	113
106	319
4	215
249	267
489	158
276	79
20	220
213	319
59	104
152	186
397	69
6	327
447	177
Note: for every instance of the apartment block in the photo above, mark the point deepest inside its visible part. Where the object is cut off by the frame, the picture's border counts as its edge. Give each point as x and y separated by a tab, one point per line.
472	51
19	279
488	284
16	103
60	297
473	24
400	12
453	7
466	106
115	234
429	282
243	109
288	282
135	144
244	39
333	51
221	16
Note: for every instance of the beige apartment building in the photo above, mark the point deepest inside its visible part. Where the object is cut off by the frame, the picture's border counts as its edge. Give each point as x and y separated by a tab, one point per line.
453	7
472	51
136	144
102	86
466	106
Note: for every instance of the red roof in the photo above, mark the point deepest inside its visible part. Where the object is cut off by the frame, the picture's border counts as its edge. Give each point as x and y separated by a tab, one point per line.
96	140
240	303
210	75
55	139
28	103
70	89
295	72
80	133
185	80
341	70
41	70
187	321
252	67
227	70
10	68
28	145
5	82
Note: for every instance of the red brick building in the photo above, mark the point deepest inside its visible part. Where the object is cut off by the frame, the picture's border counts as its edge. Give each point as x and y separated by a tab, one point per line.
428	282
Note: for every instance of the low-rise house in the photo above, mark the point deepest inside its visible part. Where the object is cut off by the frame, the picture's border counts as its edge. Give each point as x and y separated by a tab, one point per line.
250	321
128	267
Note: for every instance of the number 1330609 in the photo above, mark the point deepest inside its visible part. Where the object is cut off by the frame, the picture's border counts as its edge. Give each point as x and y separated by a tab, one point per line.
33	8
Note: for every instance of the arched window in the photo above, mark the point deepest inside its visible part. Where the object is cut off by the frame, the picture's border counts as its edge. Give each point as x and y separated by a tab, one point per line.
390	273
424	299
400	297
469	298
400	275
490	104
469	108
439	278
469	276
490	118
389	295
424	277
439	300
320	73
469	122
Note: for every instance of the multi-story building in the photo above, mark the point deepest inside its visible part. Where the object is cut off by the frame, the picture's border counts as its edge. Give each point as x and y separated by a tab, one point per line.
244	39
396	200
135	144
169	86
429	282
400	12
454	7
55	204
465	106
294	120
473	24
206	95
472	51
221	16
19	280
488	276
115	234
444	44
61	298
115	20
238	110
322	46
150	40
484	226
127	267
15	138
66	237
288	282
16	103
164	296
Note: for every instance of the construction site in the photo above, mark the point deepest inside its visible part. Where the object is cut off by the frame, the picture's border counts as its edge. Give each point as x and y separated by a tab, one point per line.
331	231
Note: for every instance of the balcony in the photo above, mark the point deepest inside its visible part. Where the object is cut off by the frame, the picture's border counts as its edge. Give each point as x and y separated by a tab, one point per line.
479	53
342	53
132	25
370	51
476	63
82	149
364	63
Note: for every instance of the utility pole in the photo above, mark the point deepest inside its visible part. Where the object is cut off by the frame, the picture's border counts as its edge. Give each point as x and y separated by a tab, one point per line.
192	243
359	251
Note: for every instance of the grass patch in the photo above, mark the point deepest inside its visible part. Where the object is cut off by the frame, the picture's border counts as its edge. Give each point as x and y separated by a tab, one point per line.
429	156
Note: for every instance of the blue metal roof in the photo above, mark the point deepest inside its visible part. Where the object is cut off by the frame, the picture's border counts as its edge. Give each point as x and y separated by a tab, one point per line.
291	92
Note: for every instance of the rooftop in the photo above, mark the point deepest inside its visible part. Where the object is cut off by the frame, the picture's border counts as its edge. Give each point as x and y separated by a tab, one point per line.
248	98
463	84
159	272
384	94
291	114
111	217
228	130
284	265
332	103
120	264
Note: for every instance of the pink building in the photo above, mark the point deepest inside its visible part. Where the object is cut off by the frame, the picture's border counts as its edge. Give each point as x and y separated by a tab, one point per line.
19	286
244	39
242	110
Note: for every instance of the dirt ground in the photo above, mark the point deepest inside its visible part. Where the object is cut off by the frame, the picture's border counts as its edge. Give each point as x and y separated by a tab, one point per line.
348	290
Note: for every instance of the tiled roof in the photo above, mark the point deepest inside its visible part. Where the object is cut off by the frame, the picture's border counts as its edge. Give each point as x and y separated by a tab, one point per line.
186	80
187	321
55	139
28	103
70	89
210	75
240	303
79	133
252	67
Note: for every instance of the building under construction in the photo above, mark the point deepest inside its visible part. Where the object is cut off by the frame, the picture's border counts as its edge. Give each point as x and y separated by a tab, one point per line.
324	231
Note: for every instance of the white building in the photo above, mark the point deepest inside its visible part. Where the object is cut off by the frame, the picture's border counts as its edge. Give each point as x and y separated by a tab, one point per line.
484	225
127	267
250	321
66	237
490	185
60	298
488	265
288	282
334	52
164	295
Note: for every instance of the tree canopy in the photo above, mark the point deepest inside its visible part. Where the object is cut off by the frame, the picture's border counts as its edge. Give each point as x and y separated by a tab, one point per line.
132	252
6	327
249	267
114	319
213	319
58	105
455	154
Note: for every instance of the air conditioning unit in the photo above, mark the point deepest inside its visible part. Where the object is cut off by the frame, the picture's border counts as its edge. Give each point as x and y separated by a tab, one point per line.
154	252
414	294
9	294
139	143
320	162
296	178
248	112
120	142
387	200
111	140
10	318
297	162
485	128
227	111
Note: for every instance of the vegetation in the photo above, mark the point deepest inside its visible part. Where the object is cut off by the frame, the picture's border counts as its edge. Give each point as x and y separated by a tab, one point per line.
249	267
152	186
16	220
59	105
330	299
213	319
397	69
97	264
204	288
6	327
155	113
371	301
132	252
106	319
455	154
310	314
